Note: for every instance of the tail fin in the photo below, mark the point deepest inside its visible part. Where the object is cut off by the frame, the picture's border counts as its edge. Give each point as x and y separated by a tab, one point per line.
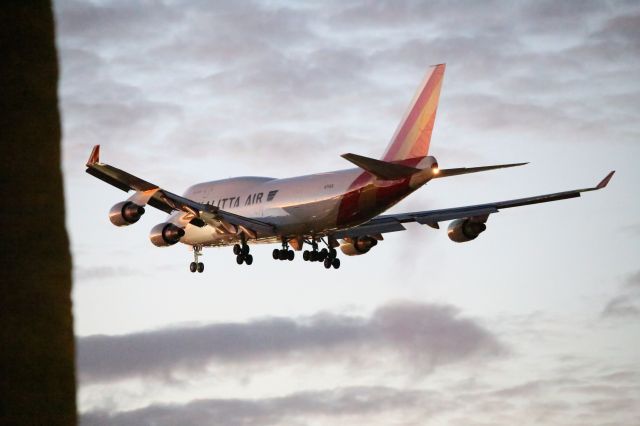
413	135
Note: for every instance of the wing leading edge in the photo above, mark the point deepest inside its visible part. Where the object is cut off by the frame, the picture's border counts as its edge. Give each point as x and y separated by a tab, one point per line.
197	213
393	222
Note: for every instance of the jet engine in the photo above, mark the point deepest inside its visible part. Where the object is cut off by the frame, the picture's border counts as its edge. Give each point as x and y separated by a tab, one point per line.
125	213
165	234
357	246
463	230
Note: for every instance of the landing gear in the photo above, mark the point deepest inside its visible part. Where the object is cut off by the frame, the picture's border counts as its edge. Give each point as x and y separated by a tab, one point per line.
284	253
195	265
335	263
242	253
328	256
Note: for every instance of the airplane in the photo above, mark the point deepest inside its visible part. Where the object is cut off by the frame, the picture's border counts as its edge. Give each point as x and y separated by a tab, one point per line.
339	209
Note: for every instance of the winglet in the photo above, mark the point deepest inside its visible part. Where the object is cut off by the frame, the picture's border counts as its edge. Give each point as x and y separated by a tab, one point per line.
604	182
95	156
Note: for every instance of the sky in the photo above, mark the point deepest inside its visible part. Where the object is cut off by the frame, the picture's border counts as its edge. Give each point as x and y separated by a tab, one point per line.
535	322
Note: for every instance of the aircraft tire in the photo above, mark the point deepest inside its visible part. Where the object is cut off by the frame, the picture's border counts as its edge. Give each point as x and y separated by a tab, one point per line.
291	255
236	249
248	259
336	263
323	254
276	254
200	267
327	263
239	259
306	255
245	249
193	267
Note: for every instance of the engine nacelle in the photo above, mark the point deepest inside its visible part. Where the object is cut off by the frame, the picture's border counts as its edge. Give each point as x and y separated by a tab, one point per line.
463	230
125	213
357	246
165	234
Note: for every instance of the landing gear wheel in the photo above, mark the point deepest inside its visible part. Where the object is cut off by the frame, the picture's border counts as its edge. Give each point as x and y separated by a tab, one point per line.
248	259
327	263
193	266
236	249
291	255
333	253
313	256
276	254
336	263
283	255
200	267
306	255
322	255
245	249
239	259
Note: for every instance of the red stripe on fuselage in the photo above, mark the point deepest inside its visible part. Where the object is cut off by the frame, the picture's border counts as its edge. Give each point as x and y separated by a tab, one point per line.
353	212
349	211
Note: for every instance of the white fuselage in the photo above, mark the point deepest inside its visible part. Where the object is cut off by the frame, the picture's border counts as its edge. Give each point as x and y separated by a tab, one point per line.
303	205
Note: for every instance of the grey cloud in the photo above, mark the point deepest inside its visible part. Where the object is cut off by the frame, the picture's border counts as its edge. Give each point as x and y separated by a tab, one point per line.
425	336
151	73
621	306
627	303
576	398
624	29
299	408
117	20
633	280
594	400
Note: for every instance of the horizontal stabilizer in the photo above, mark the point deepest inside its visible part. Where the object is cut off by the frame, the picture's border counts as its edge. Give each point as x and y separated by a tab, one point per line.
381	169
464	170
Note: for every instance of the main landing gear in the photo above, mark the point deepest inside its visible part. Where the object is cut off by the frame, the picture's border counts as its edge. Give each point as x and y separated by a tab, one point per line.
195	265
329	257
284	253
242	253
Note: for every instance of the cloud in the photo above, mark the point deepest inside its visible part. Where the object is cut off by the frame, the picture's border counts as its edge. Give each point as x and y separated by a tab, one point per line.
190	77
297	408
621	306
424	336
627	303
596	399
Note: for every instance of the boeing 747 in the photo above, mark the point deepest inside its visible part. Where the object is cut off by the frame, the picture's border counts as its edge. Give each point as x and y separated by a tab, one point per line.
340	209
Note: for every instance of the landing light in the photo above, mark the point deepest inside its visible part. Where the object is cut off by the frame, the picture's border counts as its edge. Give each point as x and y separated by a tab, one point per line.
435	170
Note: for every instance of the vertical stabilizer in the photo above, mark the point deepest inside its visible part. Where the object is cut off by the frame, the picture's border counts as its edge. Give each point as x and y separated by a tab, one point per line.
413	135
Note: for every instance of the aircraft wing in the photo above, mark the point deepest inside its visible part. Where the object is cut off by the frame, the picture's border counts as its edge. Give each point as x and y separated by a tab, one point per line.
198	214
393	222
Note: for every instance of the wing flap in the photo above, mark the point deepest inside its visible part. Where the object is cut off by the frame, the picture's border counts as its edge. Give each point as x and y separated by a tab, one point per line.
379	227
